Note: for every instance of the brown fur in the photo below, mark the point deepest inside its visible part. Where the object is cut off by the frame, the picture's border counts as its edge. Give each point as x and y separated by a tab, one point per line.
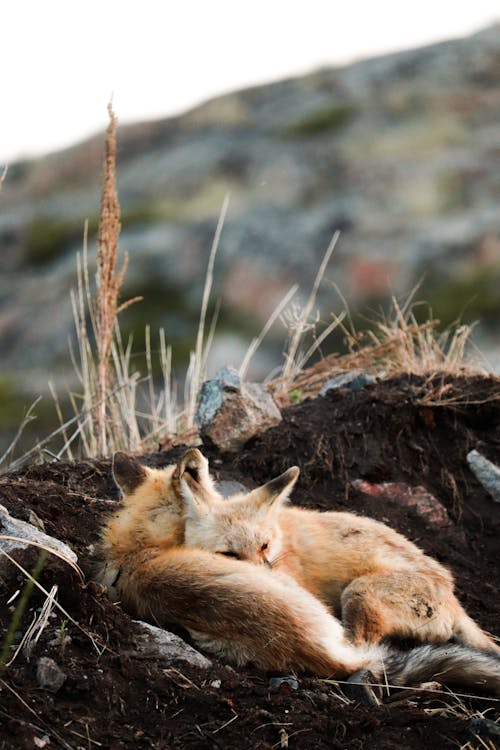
380	583
232	608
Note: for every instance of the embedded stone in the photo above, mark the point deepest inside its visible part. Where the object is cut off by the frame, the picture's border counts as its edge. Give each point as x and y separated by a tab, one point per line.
486	472
425	505
26	533
231	412
355	380
157	642
49	674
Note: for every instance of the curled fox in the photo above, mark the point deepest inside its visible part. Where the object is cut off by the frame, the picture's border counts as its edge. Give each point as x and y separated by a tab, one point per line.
379	582
235	609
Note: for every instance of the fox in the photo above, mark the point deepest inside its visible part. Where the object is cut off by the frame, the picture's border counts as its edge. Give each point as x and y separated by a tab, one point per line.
240	612
378	582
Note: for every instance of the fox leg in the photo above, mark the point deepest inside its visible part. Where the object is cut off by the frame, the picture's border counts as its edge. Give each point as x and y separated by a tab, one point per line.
238	611
401	603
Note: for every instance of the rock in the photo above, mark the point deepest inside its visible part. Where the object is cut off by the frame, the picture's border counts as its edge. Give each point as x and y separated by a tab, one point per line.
288	680
227	488
156	642
10	526
211	395
36	521
231	412
49	674
417	498
355	380
481	727
41	741
486	473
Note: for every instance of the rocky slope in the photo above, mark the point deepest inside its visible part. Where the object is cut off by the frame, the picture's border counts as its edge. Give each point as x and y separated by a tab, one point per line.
401	153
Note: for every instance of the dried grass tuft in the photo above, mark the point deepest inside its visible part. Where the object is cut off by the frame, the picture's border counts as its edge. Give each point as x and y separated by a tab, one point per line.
396	344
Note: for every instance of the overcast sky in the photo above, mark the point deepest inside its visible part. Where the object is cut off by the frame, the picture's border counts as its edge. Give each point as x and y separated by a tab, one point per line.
62	59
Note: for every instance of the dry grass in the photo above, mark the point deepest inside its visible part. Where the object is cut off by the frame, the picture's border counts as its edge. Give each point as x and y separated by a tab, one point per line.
396	344
117	408
109	283
31	581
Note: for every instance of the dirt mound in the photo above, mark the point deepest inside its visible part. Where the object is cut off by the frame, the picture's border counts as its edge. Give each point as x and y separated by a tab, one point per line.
407	430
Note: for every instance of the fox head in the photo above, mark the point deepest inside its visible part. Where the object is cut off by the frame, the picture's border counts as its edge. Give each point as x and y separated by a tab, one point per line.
244	526
153	499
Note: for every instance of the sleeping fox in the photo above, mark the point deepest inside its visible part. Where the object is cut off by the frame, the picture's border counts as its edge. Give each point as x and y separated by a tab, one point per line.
241	612
378	582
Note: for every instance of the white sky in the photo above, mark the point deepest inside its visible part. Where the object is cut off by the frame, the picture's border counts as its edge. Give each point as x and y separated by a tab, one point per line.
62	59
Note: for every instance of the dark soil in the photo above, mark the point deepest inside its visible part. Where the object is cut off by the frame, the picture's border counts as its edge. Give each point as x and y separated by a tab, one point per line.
406	430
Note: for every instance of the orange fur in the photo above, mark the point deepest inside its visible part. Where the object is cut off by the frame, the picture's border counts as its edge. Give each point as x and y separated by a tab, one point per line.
231	608
241	612
380	583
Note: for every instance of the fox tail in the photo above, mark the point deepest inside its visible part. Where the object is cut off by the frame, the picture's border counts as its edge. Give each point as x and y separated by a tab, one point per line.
451	664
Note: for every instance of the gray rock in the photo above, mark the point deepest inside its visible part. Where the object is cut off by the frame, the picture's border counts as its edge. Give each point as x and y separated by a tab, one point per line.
289	680
157	642
355	380
227	488
231	412
485	472
49	674
481	727
10	526
211	394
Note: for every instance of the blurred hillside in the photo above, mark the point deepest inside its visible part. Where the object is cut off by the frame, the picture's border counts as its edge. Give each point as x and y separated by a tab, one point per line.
401	153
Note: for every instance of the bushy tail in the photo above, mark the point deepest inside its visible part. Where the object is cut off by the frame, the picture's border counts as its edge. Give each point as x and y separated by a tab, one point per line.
452	665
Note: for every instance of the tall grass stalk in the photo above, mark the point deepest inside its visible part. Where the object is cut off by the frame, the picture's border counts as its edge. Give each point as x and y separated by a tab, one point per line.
198	357
109	281
291	365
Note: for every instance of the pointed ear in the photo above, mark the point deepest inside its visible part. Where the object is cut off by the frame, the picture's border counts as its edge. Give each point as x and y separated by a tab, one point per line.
194	463
276	492
128	472
195	482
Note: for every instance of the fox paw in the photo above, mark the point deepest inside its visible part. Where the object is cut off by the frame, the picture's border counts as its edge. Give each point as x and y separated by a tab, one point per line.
361	689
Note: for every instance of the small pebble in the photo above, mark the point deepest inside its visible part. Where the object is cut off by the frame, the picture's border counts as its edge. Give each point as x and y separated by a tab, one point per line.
49	675
277	682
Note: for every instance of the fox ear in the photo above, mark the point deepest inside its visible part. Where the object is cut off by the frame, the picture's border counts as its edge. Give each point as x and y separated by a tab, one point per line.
128	472
194	463
276	492
195	482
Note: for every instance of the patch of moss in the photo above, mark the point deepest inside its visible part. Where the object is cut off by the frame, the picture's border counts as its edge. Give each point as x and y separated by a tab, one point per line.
46	238
470	297
14	405
145	213
19	171
11	405
327	120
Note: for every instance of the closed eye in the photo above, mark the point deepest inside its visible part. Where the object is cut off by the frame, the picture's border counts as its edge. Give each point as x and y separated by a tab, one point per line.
229	553
264	547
